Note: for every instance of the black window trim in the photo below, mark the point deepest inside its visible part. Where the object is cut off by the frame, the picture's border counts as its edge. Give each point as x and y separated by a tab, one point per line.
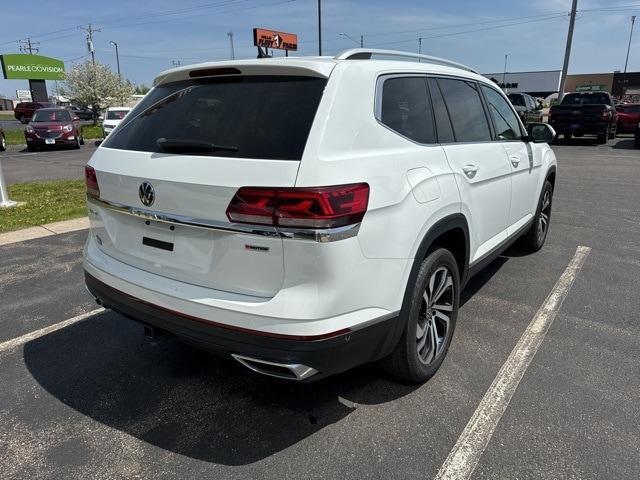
377	104
446	107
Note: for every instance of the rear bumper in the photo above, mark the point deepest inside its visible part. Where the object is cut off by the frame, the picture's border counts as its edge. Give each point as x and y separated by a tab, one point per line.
40	142
328	353
587	128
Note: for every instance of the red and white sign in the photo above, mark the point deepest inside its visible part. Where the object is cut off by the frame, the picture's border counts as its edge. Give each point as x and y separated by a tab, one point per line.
276	40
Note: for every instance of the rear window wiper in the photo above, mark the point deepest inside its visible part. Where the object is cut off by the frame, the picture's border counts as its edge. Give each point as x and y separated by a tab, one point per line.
185	146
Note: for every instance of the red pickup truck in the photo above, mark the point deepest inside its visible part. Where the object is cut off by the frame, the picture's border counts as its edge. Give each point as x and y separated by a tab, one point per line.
585	113
24	110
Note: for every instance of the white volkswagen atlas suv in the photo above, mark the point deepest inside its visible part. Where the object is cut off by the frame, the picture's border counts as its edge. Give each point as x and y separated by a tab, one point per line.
307	215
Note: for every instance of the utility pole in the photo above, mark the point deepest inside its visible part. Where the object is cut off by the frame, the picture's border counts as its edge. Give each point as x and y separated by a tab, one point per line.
176	63
353	39
319	29
230	35
633	22
117	59
567	52
504	73
419	44
90	31
28	46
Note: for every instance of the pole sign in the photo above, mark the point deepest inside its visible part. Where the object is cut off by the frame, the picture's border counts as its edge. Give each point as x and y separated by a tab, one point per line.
18	66
23	95
275	40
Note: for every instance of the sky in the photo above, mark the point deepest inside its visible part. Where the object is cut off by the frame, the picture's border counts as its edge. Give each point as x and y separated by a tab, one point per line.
478	33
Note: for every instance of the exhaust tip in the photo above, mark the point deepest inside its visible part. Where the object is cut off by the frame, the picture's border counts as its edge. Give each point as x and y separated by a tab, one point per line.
287	371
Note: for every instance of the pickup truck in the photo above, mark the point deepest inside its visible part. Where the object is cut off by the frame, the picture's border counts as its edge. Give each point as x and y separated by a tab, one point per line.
585	113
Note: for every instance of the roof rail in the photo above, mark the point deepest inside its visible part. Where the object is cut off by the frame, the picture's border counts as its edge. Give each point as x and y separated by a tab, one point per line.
367	53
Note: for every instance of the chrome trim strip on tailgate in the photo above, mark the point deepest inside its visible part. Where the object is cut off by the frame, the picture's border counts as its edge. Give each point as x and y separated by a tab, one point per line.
316	235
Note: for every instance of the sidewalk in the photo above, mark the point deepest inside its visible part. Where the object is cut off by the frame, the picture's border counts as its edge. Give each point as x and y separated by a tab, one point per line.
46	230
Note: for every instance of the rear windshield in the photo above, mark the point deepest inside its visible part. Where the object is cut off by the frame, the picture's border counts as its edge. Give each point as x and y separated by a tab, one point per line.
516	99
51	116
264	117
116	114
585	99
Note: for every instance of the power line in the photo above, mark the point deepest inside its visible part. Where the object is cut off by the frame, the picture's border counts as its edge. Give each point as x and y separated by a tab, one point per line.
27	46
470	24
494	27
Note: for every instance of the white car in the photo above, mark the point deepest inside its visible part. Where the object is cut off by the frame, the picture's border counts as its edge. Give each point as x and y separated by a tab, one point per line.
307	215
113	116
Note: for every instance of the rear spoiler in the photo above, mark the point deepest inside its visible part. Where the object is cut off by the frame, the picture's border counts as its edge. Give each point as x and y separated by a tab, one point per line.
265	66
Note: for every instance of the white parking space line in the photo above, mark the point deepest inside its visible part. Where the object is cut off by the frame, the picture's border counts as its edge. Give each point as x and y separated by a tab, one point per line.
10	344
475	437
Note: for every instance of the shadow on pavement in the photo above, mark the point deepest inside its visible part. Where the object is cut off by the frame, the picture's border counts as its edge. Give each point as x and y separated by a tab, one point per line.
577	141
188	401
626	144
478	281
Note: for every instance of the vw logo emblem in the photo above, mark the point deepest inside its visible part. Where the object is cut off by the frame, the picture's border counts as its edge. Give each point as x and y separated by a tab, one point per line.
146	193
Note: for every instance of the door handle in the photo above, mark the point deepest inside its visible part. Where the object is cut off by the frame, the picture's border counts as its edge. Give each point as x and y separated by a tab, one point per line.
515	160
470	170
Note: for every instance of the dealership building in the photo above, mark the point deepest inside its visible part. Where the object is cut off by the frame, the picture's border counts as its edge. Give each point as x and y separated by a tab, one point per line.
545	83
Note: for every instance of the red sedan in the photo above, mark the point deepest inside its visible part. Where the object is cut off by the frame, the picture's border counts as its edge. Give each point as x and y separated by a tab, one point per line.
628	117
53	126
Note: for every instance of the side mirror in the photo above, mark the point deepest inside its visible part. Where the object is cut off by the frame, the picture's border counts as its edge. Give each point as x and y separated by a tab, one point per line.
541	133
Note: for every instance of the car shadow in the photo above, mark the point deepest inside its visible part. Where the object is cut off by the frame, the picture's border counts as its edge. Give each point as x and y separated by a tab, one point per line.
625	144
480	279
577	141
188	401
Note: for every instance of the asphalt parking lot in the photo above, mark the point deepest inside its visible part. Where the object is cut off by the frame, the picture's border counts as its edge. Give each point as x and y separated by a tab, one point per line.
57	163
95	399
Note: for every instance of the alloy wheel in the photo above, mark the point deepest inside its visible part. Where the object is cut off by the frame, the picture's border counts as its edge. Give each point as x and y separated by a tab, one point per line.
545	214
433	319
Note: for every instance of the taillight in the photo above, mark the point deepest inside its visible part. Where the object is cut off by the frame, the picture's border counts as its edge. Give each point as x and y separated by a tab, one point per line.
91	180
314	207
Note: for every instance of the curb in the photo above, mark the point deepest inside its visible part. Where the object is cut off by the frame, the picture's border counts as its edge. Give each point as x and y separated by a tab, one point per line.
47	230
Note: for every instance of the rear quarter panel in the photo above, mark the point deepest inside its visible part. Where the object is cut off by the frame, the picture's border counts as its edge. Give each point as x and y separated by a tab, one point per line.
347	144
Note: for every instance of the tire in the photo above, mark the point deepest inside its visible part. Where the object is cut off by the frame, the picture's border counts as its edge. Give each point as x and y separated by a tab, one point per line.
416	358
76	145
3	143
612	134
24	120
31	148
82	140
533	240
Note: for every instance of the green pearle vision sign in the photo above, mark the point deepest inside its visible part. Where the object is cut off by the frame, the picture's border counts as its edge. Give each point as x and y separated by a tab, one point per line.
17	66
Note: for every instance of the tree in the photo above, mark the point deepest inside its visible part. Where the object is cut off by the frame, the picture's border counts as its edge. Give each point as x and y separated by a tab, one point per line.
141	89
96	86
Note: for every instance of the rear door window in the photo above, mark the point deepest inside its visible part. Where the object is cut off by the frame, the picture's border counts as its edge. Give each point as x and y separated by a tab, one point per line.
405	108
466	110
260	117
